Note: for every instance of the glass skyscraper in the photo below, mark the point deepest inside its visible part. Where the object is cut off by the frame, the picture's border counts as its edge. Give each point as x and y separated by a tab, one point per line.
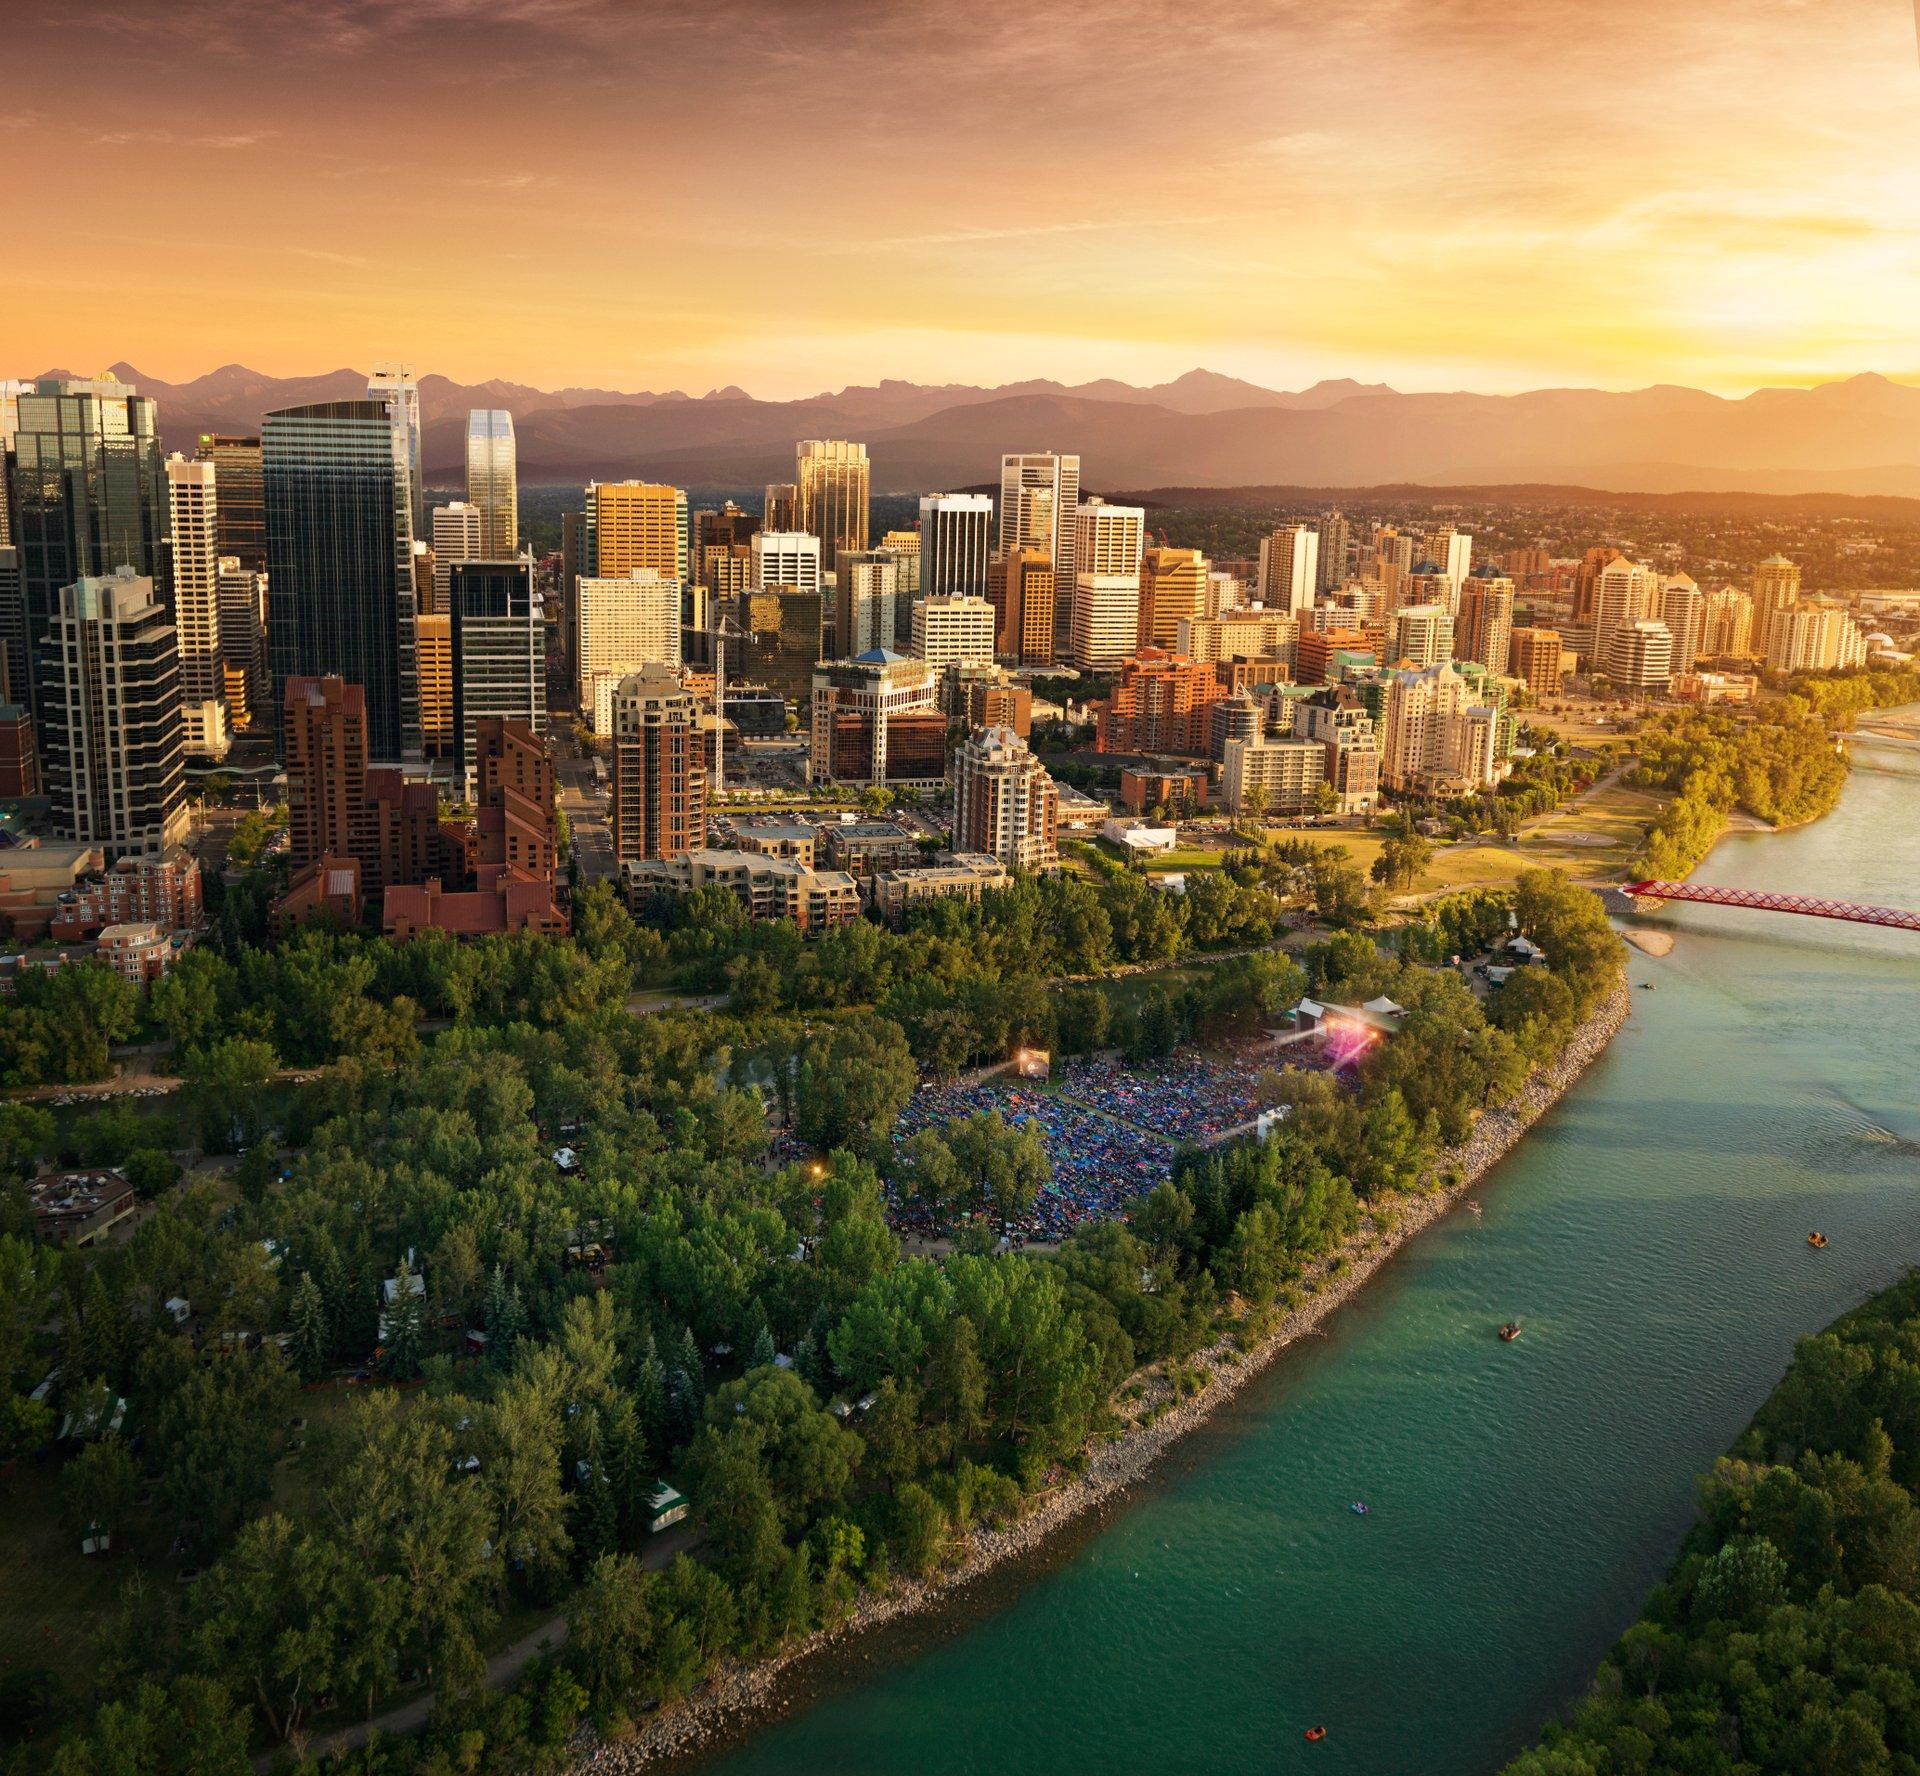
340	562
89	497
499	649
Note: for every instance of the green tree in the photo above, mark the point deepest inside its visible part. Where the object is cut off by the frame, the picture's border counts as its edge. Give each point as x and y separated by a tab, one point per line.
853	1084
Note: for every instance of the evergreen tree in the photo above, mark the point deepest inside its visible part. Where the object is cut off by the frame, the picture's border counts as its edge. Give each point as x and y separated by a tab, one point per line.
686	1389
311	1337
596	1512
650	1393
763	1351
505	1318
404	1334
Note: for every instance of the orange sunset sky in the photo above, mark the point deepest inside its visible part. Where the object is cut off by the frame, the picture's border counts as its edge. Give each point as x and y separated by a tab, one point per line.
1438	193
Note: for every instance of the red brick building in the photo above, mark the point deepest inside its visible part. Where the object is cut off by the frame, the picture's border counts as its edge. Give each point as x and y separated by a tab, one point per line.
1160	705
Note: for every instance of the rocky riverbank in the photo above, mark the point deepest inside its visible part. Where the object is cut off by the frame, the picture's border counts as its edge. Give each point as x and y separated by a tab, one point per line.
1152	1422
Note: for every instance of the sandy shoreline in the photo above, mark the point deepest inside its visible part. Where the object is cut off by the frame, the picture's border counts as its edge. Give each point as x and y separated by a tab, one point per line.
739	1693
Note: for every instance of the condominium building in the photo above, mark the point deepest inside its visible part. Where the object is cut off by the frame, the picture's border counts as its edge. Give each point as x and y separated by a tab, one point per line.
1776	585
876	719
323	736
1160	704
1640	656
1586	584
493	482
1173	590
659	806
242	507
1421	634
1108	544
196	605
112	737
499	637
1814	635
956	531
1535	658
1435	739
833	478
866	601
1624	593
1483	630
1683	608
459	534
514	782
953	631
624	623
1039	497
1336	540
1254	632
1318	653
1289	568
1726	625
1004	803
1272	776
768	887
1336	718
340	559
960	876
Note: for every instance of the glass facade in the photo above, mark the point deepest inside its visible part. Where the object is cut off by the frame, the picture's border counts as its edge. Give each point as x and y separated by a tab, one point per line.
499	644
241	522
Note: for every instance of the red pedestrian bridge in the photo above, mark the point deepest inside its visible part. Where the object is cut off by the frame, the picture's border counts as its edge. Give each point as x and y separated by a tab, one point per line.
1900	918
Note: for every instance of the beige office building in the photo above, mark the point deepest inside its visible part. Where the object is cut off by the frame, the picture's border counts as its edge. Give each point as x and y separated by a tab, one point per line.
193	509
625	624
1108	544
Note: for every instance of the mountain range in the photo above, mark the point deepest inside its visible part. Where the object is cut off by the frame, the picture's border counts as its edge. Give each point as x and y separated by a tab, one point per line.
1859	436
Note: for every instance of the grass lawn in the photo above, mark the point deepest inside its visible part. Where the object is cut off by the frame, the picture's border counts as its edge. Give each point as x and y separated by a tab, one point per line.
1595	840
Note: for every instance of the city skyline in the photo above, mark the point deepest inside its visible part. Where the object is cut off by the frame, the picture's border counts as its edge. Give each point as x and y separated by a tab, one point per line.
1439	196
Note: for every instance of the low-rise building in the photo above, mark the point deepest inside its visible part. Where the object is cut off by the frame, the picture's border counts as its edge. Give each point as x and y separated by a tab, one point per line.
507	900
865	847
163	889
776	835
963	874
76	1208
1174	786
138	952
768	887
1714	687
1138	839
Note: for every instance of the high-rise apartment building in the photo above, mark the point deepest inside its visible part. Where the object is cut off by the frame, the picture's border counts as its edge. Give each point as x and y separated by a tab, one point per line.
244	676
1021	586
1484	630
1776	586
1337	719
1273	774
323	739
1451	552
659	806
113	745
953	631
493	482
1039	496
1173	590
1586	584
1623	593
1435	739
1421	634
1004	803
89	497
1108	544
1249	634
955	544
194	517
1683	608
1336	541
1289	568
242	505
459	534
1534	658
1726	625
1161	703
832	476
625	624
1814	635
1640	655
340	561
499	636
866	601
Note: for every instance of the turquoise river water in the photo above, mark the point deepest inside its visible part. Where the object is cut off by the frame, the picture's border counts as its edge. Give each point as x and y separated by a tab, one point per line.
1651	1235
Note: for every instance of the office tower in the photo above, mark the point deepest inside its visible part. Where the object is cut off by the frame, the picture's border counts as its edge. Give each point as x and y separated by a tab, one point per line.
1451	552
244	675
459	534
1435	739
659	804
1021	586
1107	547
1004	803
905	546
393	386
780	506
242	508
876	719
1039	496
1422	634
635	524
1336	717
493	482
434	633
194	518
499	650
1623	593
1776	586
1814	635
112	737
625	624
1484	631
953	631
723	551
13	631
1161	703
1683	608
1224	593
1289	569
1173	589
1726	627
866	602
1317	653
789	558
955	532
831	479
10	393
1534	657
89	498
1336	539
1586	583
323	739
340	561
1640	655
783	640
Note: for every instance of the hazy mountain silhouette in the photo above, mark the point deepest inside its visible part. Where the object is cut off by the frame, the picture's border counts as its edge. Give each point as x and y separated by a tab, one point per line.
1860	436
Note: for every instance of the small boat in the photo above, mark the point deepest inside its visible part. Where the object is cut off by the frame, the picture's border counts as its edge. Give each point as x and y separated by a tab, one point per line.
1646	986
1510	1331
1818	1241
1359	1507
1315	1735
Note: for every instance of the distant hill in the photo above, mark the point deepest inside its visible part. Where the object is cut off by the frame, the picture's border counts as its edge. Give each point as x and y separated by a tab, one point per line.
1859	437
